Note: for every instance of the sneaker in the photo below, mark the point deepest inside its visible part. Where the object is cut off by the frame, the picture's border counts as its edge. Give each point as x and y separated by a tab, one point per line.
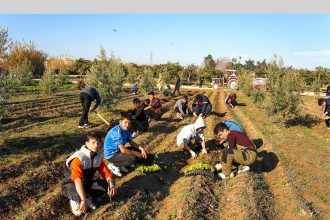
123	169
115	170
179	115
81	126
90	204
135	134
86	125
75	206
243	169
223	176
218	166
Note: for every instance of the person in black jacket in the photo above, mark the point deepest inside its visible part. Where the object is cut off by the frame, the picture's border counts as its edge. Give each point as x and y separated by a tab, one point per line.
139	121
201	106
325	103
87	95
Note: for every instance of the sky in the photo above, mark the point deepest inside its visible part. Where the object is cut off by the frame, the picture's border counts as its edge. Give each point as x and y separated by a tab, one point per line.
303	40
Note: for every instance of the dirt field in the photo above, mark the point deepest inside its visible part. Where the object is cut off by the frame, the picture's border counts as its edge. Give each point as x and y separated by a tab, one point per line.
290	179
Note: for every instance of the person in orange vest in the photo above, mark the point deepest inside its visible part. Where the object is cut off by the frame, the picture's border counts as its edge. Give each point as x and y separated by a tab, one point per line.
79	184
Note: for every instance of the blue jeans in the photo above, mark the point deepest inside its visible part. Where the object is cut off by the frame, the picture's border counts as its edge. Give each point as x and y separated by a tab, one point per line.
206	112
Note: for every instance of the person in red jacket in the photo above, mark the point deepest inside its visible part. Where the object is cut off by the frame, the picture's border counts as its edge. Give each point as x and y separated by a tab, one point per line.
79	184
154	109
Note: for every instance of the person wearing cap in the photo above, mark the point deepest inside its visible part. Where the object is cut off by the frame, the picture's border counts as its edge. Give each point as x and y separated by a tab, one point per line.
241	150
201	106
190	132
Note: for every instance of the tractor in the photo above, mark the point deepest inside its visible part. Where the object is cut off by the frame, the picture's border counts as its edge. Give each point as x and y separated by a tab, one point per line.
229	79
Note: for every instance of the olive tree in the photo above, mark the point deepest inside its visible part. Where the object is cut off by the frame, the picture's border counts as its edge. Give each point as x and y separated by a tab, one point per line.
107	76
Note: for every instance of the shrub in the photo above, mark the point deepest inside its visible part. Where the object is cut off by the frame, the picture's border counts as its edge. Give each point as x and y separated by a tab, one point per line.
22	73
147	84
48	82
107	76
132	73
285	87
62	76
245	83
7	87
25	52
258	96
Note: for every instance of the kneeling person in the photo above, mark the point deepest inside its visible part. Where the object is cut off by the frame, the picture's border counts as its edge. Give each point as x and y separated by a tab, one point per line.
79	182
189	132
240	150
115	151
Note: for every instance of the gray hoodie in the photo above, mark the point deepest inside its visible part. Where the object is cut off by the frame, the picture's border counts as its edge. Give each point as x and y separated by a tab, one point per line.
189	131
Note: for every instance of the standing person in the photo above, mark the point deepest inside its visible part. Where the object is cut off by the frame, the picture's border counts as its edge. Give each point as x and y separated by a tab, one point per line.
201	106
241	150
231	100
117	155
181	107
139	122
325	103
201	81
177	85
192	131
160	82
154	109
87	95
79	184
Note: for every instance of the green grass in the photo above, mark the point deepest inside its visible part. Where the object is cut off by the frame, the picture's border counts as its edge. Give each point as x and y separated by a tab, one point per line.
35	86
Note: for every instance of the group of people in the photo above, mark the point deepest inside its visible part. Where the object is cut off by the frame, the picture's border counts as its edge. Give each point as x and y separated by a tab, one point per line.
79	184
239	149
110	156
201	106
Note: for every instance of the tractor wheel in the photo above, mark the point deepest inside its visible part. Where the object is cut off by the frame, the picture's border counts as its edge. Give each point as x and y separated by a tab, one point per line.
232	84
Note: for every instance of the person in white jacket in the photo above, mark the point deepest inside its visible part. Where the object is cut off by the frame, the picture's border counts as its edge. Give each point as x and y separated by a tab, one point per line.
189	132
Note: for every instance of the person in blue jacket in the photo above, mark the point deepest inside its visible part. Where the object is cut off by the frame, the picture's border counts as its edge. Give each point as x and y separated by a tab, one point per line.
116	154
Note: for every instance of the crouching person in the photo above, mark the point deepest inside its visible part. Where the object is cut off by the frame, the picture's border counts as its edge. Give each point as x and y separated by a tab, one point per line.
139	121
232	125
190	132
241	151
119	157
201	106
79	184
181	107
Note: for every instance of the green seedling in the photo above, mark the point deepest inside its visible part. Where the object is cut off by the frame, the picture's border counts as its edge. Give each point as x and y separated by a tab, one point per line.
198	166
148	169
